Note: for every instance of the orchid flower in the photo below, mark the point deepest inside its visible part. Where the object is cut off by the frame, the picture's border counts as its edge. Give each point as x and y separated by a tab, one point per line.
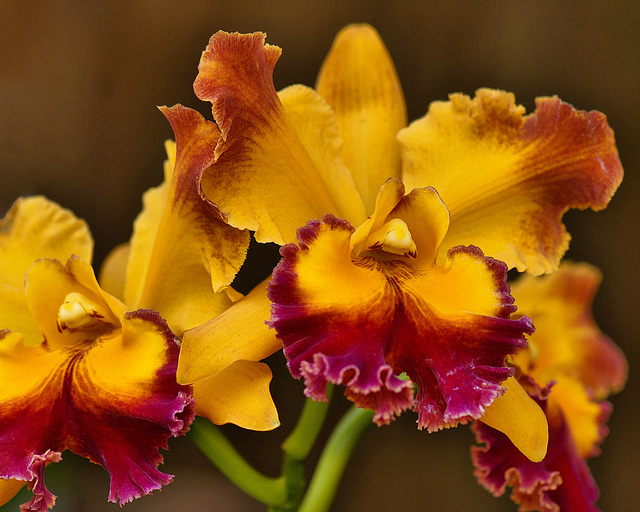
94	372
79	370
379	290
570	367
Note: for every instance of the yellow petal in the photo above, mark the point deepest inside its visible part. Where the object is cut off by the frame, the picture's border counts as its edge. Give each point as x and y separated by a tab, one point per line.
508	179
239	394
316	125
240	333
517	416
183	254
388	197
263	179
9	488
113	271
24	368
583	414
34	228
359	81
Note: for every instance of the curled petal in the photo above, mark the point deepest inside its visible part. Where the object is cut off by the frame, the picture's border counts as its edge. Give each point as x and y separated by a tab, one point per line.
34	228
315	124
521	419
239	394
560	482
259	157
359	81
361	322
183	253
508	179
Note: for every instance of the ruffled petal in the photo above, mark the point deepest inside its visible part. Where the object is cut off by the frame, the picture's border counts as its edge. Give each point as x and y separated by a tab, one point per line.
114	401
567	339
124	404
585	417
507	179
239	333
560	482
446	327
34	228
259	157
239	394
359	81
32	411
182	251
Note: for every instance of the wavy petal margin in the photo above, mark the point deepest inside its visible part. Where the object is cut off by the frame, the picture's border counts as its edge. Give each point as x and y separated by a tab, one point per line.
561	482
507	179
183	254
114	401
259	158
568	340
361	323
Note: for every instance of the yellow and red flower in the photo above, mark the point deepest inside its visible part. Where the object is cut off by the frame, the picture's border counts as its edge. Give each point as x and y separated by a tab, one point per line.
79	370
95	372
376	282
569	367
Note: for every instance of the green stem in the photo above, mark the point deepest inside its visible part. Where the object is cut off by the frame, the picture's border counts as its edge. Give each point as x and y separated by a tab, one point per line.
296	448
217	448
301	440
334	459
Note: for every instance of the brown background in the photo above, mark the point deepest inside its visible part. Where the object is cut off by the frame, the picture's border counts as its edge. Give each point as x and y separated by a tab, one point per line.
79	82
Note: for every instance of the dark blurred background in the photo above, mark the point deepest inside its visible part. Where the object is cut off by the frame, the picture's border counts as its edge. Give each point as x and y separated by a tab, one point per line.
79	85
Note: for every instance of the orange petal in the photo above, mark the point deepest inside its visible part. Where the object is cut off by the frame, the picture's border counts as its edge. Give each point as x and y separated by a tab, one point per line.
239	394
521	419
567	340
359	81
9	488
586	417
260	158
240	333
34	228
508	179
182	251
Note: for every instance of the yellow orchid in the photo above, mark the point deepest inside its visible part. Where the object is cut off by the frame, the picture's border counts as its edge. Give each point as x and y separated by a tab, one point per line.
375	282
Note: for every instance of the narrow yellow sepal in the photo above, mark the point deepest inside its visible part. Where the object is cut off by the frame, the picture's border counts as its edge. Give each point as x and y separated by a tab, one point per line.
517	416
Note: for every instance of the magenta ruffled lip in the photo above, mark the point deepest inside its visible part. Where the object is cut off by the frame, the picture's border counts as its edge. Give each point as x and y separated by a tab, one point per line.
122	436
458	365
560	482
